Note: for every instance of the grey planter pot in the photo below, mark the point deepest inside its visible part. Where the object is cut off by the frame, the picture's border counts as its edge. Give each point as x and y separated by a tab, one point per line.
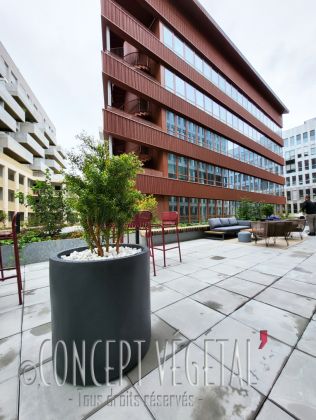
93	302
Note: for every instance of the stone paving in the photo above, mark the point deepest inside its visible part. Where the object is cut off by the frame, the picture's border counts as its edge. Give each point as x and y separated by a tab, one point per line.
223	290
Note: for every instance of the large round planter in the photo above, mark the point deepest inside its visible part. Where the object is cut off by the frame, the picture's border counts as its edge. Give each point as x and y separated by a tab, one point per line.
100	316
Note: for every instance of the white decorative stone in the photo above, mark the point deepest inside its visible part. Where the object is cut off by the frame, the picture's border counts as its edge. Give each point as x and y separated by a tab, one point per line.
88	255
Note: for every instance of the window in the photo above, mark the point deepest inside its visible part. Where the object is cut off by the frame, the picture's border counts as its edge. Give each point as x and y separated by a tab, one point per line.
312	135
292	142
11	175
218	176
181	128
307	179
189	55
11	196
313	163
184	209
298	139
193	171
21	179
301	194
202	173
210	175
201	138
180	87
169	83
170	123
194	206
300	180
219	207
203	210
293	180
191	132
295	208
288	195
190	93
173	204
167	37
172	166
199	99
314	177
300	166
198	64
182	168
1	193
306	165
305	138
211	208
178	47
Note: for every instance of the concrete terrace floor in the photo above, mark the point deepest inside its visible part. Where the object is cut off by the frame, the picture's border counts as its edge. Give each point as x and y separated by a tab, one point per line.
223	290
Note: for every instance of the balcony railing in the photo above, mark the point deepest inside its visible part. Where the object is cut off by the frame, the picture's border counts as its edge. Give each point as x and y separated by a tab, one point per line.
139	60
137	107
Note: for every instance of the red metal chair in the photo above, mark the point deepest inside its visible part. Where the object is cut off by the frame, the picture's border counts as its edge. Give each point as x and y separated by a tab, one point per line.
13	235
142	220
169	219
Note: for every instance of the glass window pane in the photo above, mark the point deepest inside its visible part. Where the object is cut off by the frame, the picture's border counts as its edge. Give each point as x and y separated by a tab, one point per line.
178	47
169	82
189	55
167	37
180	87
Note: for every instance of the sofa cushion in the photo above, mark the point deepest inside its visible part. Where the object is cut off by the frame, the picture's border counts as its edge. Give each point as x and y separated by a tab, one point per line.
236	228
233	221
214	223
224	221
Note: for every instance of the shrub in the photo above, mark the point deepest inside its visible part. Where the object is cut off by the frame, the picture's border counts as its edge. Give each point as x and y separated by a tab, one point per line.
267	209
148	203
3	217
48	205
102	190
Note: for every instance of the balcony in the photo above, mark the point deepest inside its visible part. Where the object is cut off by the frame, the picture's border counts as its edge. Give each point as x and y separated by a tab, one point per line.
14	149
61	151
7	123
49	134
153	172
57	178
21	97
29	143
52	164
53	153
35	131
39	165
138	107
140	61
12	107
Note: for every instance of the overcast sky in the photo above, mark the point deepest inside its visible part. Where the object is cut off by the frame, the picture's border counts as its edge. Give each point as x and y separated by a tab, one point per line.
56	45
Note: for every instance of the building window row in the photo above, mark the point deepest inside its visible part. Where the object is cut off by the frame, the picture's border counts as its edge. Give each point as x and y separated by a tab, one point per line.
187	54
300	139
300	153
301	179
199	210
186	91
190	170
193	133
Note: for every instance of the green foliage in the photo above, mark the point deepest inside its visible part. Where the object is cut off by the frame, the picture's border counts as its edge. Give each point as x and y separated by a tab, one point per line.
3	217
47	204
102	191
148	203
248	210
267	209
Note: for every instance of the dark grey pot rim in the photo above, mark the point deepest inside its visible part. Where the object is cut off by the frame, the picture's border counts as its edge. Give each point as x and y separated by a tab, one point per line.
58	258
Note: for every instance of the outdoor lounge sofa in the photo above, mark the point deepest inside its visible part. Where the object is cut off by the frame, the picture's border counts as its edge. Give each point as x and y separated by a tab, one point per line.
227	226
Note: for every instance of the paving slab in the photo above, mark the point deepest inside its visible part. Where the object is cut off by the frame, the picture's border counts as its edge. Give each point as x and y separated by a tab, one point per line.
186	285
9	399
209	276
295	389
190	317
240	286
280	324
308	341
258	366
61	402
35	315
10	322
256	277
9	357
271	411
193	397
296	304
297	287
220	299
163	296
32	340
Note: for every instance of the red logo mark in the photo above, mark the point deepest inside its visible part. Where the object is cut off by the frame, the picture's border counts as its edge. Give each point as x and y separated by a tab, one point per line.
263	338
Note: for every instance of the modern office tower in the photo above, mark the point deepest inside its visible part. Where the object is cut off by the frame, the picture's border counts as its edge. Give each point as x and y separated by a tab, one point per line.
181	96
28	144
300	164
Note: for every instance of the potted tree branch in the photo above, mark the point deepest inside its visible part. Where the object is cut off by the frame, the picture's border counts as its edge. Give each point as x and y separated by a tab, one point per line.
100	295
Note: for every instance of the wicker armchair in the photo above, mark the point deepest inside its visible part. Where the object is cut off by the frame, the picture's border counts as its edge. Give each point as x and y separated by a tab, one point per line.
267	230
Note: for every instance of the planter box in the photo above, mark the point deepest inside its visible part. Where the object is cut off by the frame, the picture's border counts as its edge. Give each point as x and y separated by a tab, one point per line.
100	309
40	251
187	233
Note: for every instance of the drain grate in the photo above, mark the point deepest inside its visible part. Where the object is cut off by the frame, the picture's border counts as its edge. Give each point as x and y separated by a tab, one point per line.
217	257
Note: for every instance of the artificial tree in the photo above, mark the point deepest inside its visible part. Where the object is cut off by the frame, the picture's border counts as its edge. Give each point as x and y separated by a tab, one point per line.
102	191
